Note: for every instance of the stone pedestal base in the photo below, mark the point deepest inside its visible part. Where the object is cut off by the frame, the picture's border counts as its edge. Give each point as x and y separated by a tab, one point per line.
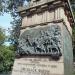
38	66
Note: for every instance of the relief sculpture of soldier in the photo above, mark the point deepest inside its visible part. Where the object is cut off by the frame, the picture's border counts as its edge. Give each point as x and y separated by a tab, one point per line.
43	41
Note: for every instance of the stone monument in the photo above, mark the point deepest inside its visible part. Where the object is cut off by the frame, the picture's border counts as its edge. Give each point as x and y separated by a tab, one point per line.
45	41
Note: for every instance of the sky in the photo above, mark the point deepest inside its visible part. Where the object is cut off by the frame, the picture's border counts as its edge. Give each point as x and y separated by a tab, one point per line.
5	20
5	23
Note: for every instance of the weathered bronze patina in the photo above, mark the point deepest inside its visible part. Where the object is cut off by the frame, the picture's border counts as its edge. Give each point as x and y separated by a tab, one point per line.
41	41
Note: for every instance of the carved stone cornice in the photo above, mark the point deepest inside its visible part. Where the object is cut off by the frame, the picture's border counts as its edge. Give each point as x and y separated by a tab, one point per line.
39	8
49	6
42	24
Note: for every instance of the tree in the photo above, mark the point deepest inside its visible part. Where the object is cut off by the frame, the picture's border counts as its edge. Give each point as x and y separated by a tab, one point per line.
2	36
73	7
6	54
6	59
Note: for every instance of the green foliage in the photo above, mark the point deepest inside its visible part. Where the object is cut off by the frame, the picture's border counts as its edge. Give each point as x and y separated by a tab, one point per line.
10	5
6	58
6	54
73	7
74	42
2	36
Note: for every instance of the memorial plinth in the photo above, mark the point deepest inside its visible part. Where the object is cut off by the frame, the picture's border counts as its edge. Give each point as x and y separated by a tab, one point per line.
45	41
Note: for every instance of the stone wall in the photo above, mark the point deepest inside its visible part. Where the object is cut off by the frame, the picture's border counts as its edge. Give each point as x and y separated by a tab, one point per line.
68	51
36	59
45	17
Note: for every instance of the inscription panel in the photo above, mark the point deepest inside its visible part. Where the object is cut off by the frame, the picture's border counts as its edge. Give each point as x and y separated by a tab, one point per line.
37	66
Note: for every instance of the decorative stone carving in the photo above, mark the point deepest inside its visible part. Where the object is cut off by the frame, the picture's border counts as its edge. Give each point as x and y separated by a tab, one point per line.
41	41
